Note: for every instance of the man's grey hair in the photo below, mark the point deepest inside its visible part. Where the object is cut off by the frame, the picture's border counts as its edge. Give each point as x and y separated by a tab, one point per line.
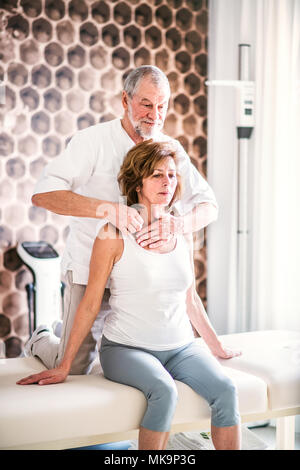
156	76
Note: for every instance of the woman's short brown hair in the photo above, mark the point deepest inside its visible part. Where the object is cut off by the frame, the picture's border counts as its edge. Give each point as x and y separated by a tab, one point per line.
139	163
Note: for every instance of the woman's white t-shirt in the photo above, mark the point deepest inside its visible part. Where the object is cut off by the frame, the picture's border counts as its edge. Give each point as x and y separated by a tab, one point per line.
148	297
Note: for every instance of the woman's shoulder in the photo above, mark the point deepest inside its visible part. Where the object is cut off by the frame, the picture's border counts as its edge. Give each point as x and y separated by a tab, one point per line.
109	232
110	238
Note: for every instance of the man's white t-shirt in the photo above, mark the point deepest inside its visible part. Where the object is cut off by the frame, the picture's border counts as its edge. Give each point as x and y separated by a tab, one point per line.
89	166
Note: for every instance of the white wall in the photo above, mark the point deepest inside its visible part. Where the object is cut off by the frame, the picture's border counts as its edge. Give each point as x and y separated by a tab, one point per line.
231	22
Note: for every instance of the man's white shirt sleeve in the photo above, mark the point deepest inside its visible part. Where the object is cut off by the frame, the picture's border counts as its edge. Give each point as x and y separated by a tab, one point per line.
70	170
195	189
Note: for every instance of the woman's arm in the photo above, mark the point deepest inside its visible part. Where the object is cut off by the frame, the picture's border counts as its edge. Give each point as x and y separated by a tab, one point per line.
106	251
199	318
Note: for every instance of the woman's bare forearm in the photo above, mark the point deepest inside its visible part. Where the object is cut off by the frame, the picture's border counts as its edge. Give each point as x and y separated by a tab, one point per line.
104	253
200	321
69	203
195	308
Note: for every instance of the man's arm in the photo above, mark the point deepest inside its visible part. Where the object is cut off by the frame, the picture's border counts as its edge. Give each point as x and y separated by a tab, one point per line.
56	188
198	218
75	205
196	209
67	203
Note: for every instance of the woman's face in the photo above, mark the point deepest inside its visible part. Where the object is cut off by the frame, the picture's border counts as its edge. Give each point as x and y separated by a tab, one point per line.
159	187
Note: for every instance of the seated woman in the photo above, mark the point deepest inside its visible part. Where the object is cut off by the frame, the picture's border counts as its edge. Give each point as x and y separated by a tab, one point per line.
148	341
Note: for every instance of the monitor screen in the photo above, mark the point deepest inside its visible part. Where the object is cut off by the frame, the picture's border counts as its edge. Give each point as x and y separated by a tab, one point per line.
39	249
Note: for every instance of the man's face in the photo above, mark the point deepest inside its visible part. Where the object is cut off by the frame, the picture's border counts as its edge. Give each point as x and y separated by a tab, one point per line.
147	108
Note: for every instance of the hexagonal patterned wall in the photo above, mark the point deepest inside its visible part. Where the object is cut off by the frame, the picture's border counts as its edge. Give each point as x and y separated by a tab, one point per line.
63	64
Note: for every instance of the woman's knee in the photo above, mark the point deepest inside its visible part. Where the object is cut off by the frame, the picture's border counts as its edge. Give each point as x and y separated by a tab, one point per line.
162	400
228	392
164	391
225	407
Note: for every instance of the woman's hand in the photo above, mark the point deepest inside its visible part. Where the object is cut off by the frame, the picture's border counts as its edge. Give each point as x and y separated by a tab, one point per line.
223	352
47	377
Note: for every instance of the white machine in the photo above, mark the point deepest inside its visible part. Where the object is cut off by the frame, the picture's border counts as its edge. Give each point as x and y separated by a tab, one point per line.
245	125
47	289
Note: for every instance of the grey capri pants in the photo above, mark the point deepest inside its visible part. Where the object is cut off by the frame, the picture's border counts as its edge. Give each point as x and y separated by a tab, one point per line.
154	372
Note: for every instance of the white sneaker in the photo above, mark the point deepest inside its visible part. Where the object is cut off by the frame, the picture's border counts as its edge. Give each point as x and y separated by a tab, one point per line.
57	327
42	330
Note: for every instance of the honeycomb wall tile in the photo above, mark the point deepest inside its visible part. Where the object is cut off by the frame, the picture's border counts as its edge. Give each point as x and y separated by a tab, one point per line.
63	64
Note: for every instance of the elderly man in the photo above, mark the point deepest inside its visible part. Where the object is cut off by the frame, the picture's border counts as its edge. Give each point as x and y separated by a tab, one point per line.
82	183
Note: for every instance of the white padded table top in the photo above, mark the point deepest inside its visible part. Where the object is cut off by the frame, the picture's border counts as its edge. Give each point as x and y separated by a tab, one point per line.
90	405
273	355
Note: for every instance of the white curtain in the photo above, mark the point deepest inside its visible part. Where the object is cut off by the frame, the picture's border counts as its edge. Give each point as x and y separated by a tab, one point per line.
272	28
275	264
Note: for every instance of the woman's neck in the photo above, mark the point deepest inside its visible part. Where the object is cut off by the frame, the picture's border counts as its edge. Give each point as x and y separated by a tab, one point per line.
151	212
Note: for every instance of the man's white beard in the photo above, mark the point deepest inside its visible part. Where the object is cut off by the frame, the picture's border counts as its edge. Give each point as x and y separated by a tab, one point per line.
144	133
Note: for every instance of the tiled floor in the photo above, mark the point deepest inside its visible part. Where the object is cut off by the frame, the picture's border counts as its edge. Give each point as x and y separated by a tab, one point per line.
265	433
268	435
